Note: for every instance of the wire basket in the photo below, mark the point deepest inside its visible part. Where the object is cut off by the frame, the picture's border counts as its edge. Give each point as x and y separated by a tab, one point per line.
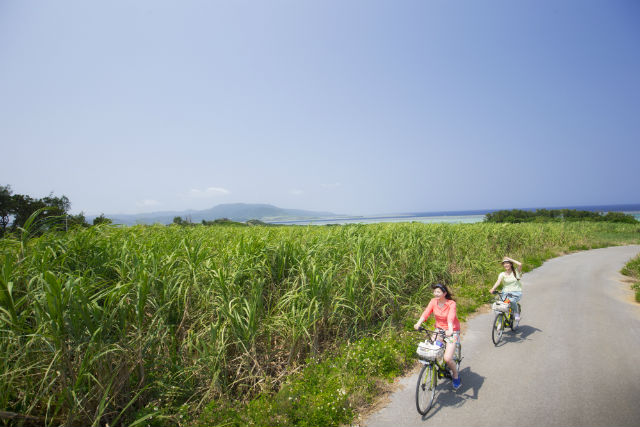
500	306
428	351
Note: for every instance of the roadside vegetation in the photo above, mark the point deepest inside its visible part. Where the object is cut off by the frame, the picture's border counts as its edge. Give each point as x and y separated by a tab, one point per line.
229	325
632	269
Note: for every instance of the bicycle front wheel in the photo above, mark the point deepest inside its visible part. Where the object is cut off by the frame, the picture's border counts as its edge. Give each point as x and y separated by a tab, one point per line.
498	328
426	388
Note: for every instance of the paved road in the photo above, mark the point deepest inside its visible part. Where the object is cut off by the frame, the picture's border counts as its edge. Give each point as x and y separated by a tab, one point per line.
575	361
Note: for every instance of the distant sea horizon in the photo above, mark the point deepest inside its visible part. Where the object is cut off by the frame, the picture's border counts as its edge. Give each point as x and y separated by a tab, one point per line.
451	217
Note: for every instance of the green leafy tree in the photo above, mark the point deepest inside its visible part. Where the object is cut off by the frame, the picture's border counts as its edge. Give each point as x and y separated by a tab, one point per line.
78	220
544	215
56	205
620	217
23	207
6	207
101	220
52	209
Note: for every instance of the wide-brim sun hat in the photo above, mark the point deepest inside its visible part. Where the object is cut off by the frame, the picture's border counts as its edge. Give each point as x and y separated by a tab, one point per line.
505	259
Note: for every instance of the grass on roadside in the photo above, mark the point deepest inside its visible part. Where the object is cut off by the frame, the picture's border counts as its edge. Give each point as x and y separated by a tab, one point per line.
632	269
328	392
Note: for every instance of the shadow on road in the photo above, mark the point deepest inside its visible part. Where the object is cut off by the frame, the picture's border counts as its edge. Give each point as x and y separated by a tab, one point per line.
520	335
447	397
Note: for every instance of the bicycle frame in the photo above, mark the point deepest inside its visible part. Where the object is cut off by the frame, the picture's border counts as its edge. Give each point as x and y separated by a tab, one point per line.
503	320
443	369
429	374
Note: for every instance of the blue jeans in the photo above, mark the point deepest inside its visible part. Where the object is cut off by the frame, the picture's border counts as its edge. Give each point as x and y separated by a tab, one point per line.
514	298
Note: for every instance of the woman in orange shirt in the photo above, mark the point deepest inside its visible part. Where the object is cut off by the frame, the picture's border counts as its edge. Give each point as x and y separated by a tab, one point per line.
443	308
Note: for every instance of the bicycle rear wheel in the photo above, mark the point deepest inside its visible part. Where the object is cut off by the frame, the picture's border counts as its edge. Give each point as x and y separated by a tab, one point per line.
426	388
498	328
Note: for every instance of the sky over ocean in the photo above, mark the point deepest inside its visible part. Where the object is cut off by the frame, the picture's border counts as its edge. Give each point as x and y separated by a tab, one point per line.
359	107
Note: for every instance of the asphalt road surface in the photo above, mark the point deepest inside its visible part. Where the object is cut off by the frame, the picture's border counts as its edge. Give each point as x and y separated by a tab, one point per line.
574	361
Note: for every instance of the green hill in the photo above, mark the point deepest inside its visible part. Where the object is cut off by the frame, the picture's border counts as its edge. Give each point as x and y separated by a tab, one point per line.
234	211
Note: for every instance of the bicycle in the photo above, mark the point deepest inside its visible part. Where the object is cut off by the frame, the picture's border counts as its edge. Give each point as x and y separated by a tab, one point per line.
505	317
434	367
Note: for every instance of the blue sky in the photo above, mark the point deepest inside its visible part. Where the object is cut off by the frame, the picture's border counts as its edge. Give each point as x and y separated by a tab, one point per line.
355	107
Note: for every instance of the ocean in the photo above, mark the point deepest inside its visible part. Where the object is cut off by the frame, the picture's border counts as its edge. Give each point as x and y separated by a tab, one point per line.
451	217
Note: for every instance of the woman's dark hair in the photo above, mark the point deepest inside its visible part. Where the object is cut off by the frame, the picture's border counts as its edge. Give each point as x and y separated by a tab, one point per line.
444	288
513	270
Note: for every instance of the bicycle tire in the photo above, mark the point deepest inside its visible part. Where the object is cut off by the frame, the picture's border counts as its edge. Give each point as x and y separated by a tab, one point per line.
498	328
426	388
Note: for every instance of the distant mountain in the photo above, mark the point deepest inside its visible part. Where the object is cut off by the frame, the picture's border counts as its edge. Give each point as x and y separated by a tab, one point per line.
234	211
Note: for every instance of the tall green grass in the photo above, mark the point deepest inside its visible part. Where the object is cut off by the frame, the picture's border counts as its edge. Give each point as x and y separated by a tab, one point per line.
125	325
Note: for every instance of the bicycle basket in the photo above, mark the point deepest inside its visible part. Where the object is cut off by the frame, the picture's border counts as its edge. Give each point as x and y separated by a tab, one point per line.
428	351
500	306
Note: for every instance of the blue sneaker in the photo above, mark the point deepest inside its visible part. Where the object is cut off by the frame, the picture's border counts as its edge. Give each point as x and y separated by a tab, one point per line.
457	382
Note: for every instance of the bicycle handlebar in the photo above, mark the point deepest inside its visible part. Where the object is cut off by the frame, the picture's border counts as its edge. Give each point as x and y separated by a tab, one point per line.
430	332
504	295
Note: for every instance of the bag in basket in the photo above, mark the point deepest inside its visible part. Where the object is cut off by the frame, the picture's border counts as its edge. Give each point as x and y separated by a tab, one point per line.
500	306
428	351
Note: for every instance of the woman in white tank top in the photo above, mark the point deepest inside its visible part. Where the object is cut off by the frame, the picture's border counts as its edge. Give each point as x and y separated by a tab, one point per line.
512	285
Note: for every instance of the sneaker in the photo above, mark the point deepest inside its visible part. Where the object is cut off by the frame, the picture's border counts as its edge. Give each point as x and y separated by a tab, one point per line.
457	382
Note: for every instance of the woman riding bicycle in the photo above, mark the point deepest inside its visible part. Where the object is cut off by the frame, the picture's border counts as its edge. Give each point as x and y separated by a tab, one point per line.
512	285
443	308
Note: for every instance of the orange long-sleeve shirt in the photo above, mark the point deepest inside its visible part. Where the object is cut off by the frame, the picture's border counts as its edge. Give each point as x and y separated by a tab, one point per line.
443	315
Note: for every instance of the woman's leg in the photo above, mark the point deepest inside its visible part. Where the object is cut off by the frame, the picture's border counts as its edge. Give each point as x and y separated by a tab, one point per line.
448	357
515	297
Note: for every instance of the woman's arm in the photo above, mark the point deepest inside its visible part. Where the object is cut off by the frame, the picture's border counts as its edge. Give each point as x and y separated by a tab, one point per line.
425	315
517	263
451	317
500	276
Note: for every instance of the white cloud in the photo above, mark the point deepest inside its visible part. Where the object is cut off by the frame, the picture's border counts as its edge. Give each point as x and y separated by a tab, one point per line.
297	192
147	203
207	193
